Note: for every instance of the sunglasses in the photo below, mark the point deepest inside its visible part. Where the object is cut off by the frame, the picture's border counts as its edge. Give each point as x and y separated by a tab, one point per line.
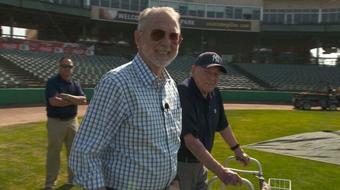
66	66
158	34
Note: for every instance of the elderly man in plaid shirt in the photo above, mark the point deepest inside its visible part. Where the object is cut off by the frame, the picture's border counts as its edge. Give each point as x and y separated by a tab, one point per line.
130	135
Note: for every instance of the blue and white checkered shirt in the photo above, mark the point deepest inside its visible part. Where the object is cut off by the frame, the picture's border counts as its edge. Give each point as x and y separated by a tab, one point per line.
130	135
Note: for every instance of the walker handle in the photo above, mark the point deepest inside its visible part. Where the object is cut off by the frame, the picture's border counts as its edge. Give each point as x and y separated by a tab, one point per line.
254	172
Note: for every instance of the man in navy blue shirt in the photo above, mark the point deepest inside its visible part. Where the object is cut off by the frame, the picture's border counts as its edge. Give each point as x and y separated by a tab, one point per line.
63	95
203	115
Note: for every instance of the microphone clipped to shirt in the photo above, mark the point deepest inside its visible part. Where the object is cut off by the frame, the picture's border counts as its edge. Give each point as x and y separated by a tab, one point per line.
166	107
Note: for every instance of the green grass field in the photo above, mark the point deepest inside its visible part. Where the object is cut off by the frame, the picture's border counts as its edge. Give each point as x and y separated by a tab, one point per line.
23	149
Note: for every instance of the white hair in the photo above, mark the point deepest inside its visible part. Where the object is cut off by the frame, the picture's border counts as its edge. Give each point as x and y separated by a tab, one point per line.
146	13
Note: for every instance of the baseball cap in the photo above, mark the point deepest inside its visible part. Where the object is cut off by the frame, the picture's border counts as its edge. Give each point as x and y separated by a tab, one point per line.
210	59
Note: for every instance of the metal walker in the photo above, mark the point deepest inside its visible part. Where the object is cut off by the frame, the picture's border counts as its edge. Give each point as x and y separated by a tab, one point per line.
273	183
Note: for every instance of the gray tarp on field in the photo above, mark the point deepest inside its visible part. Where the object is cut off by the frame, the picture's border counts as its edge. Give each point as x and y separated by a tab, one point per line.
321	146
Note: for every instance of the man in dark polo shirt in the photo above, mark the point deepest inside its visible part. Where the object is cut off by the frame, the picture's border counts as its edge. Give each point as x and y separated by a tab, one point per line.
63	95
203	115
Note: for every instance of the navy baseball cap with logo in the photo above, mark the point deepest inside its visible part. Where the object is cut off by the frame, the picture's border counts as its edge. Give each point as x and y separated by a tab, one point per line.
210	59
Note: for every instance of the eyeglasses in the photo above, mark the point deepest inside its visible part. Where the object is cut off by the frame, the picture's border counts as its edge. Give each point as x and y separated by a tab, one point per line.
66	66
159	34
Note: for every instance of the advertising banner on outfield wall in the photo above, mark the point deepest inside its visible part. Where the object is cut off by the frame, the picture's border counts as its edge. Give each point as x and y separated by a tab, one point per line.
46	46
114	15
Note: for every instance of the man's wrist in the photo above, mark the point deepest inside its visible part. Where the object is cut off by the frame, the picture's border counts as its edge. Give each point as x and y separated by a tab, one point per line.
236	146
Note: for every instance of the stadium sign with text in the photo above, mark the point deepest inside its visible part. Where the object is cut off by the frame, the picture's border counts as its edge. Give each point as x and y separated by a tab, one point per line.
46	46
115	15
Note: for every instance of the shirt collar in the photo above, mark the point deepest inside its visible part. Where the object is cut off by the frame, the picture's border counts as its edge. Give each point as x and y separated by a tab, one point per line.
61	79
146	75
193	85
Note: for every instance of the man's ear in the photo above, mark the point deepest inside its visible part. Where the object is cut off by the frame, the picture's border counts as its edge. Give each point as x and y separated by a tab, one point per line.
193	68
137	35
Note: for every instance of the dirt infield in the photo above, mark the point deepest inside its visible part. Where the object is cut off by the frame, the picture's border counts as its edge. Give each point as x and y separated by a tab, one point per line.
12	116
257	107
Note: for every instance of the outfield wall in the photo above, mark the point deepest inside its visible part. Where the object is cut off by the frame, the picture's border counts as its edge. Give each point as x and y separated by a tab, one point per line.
275	97
27	96
35	96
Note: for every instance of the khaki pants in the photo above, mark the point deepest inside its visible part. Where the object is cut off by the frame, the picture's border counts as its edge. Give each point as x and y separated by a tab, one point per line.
192	176
59	132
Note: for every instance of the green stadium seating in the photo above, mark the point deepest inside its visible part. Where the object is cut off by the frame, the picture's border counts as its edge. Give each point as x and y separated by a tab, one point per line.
295	77
89	70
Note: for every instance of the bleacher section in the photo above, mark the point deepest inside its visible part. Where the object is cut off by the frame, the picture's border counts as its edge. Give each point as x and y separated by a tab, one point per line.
235	80
291	77
42	65
89	69
181	67
7	80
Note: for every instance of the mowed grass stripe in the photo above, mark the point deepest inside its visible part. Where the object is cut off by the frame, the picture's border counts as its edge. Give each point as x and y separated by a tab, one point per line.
23	149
